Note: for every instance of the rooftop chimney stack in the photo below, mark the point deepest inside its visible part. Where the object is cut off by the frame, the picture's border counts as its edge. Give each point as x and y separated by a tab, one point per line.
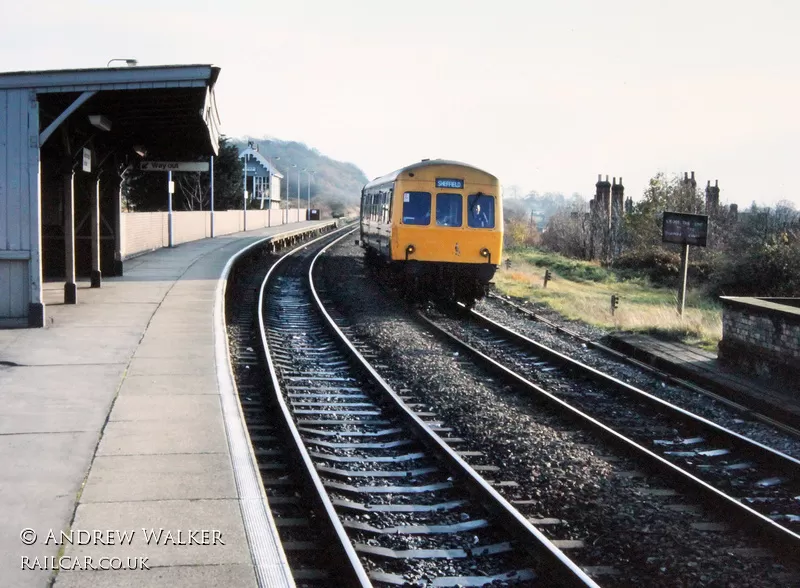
712	197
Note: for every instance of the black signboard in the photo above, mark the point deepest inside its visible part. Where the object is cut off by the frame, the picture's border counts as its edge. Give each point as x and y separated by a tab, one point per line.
685	229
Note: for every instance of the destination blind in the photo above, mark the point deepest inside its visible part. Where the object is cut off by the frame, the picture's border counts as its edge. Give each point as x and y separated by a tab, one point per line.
449	183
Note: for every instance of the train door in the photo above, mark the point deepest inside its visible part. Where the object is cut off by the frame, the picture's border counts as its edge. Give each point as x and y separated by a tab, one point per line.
361	214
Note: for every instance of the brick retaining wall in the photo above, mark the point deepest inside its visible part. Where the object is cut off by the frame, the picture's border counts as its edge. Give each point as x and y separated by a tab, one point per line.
762	336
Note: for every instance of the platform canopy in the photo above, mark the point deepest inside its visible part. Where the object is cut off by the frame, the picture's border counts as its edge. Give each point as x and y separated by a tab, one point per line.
162	110
66	136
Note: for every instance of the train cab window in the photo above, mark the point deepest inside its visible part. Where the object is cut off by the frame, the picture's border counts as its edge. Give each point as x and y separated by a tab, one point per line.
416	208
480	211
449	210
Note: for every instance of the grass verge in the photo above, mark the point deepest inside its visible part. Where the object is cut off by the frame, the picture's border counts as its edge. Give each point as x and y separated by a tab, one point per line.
582	290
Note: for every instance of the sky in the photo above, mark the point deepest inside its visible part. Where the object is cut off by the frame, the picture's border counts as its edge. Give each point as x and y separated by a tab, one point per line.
545	95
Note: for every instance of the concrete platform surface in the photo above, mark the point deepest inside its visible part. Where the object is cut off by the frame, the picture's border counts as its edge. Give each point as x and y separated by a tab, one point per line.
114	421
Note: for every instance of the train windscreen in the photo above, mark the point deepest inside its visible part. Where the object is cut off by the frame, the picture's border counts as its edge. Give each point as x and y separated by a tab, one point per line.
416	208
480	211
448	210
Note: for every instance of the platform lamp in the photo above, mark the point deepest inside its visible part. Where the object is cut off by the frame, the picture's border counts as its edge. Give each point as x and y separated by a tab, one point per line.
308	209
287	193
128	62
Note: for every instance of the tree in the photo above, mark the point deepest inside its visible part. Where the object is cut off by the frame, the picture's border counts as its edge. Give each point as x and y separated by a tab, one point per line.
147	191
642	228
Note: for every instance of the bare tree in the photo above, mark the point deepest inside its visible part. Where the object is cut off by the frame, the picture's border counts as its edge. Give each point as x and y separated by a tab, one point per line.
195	192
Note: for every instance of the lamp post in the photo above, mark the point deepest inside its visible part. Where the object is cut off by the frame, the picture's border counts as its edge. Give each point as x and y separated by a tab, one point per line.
298	194
308	208
287	190
287	196
244	193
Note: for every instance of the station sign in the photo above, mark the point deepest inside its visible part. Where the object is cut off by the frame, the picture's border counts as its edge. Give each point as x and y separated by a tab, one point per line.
177	166
685	229
87	160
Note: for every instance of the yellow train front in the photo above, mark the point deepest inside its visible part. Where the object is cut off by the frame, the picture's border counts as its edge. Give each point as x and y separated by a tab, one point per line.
439	224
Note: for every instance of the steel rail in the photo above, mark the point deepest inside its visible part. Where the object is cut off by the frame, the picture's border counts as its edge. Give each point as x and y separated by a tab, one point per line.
789	541
354	573
748	445
771	416
529	536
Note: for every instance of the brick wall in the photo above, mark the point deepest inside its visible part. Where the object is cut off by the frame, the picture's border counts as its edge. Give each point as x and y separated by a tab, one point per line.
145	231
761	336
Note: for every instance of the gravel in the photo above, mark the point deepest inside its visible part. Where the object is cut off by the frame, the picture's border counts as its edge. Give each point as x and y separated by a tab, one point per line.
694	402
557	470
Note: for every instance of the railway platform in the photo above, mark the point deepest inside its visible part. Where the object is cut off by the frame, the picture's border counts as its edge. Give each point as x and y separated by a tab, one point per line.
704	369
121	441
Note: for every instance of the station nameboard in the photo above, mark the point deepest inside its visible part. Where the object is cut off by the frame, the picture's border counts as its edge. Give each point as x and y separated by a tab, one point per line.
182	166
685	229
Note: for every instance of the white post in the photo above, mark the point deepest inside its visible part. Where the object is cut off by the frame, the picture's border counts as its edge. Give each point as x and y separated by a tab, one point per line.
244	194
298	195
212	196
70	288
96	275
170	187
308	209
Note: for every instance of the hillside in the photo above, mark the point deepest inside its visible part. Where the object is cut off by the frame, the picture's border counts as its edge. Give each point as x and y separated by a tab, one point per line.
336	185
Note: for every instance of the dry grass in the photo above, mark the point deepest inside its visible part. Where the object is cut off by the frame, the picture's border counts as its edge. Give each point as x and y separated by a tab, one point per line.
642	307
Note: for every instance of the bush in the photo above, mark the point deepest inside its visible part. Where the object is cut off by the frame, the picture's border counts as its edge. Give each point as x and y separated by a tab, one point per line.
771	270
662	267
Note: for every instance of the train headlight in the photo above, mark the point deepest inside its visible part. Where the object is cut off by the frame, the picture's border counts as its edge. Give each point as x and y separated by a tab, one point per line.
485	252
410	249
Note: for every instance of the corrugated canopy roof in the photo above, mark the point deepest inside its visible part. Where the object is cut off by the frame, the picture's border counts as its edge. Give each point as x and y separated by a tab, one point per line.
170	110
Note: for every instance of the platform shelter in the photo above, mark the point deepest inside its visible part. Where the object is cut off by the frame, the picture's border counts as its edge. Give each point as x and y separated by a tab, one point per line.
67	137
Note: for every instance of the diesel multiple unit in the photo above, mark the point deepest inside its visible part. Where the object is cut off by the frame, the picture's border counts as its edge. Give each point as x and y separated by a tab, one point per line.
438	224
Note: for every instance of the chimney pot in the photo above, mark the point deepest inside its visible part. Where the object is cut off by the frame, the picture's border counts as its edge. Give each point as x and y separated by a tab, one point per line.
716	183
692	175
615	180
685	176
606	177
599	177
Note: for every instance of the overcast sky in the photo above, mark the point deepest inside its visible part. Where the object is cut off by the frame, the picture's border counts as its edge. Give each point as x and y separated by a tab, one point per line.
546	95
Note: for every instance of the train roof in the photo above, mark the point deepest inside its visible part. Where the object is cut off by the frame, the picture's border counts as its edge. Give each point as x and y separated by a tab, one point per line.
424	163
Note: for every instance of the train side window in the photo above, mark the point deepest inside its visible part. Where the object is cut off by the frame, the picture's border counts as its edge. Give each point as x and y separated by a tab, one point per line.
391	204
449	210
480	210
416	208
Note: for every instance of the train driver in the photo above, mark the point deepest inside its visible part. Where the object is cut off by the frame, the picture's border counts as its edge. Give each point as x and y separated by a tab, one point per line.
479	218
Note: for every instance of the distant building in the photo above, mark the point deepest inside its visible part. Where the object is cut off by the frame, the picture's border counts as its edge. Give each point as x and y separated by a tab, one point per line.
262	180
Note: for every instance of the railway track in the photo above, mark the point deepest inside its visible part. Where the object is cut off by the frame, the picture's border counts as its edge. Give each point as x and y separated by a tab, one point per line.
305	537
623	523
763	413
405	507
757	486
